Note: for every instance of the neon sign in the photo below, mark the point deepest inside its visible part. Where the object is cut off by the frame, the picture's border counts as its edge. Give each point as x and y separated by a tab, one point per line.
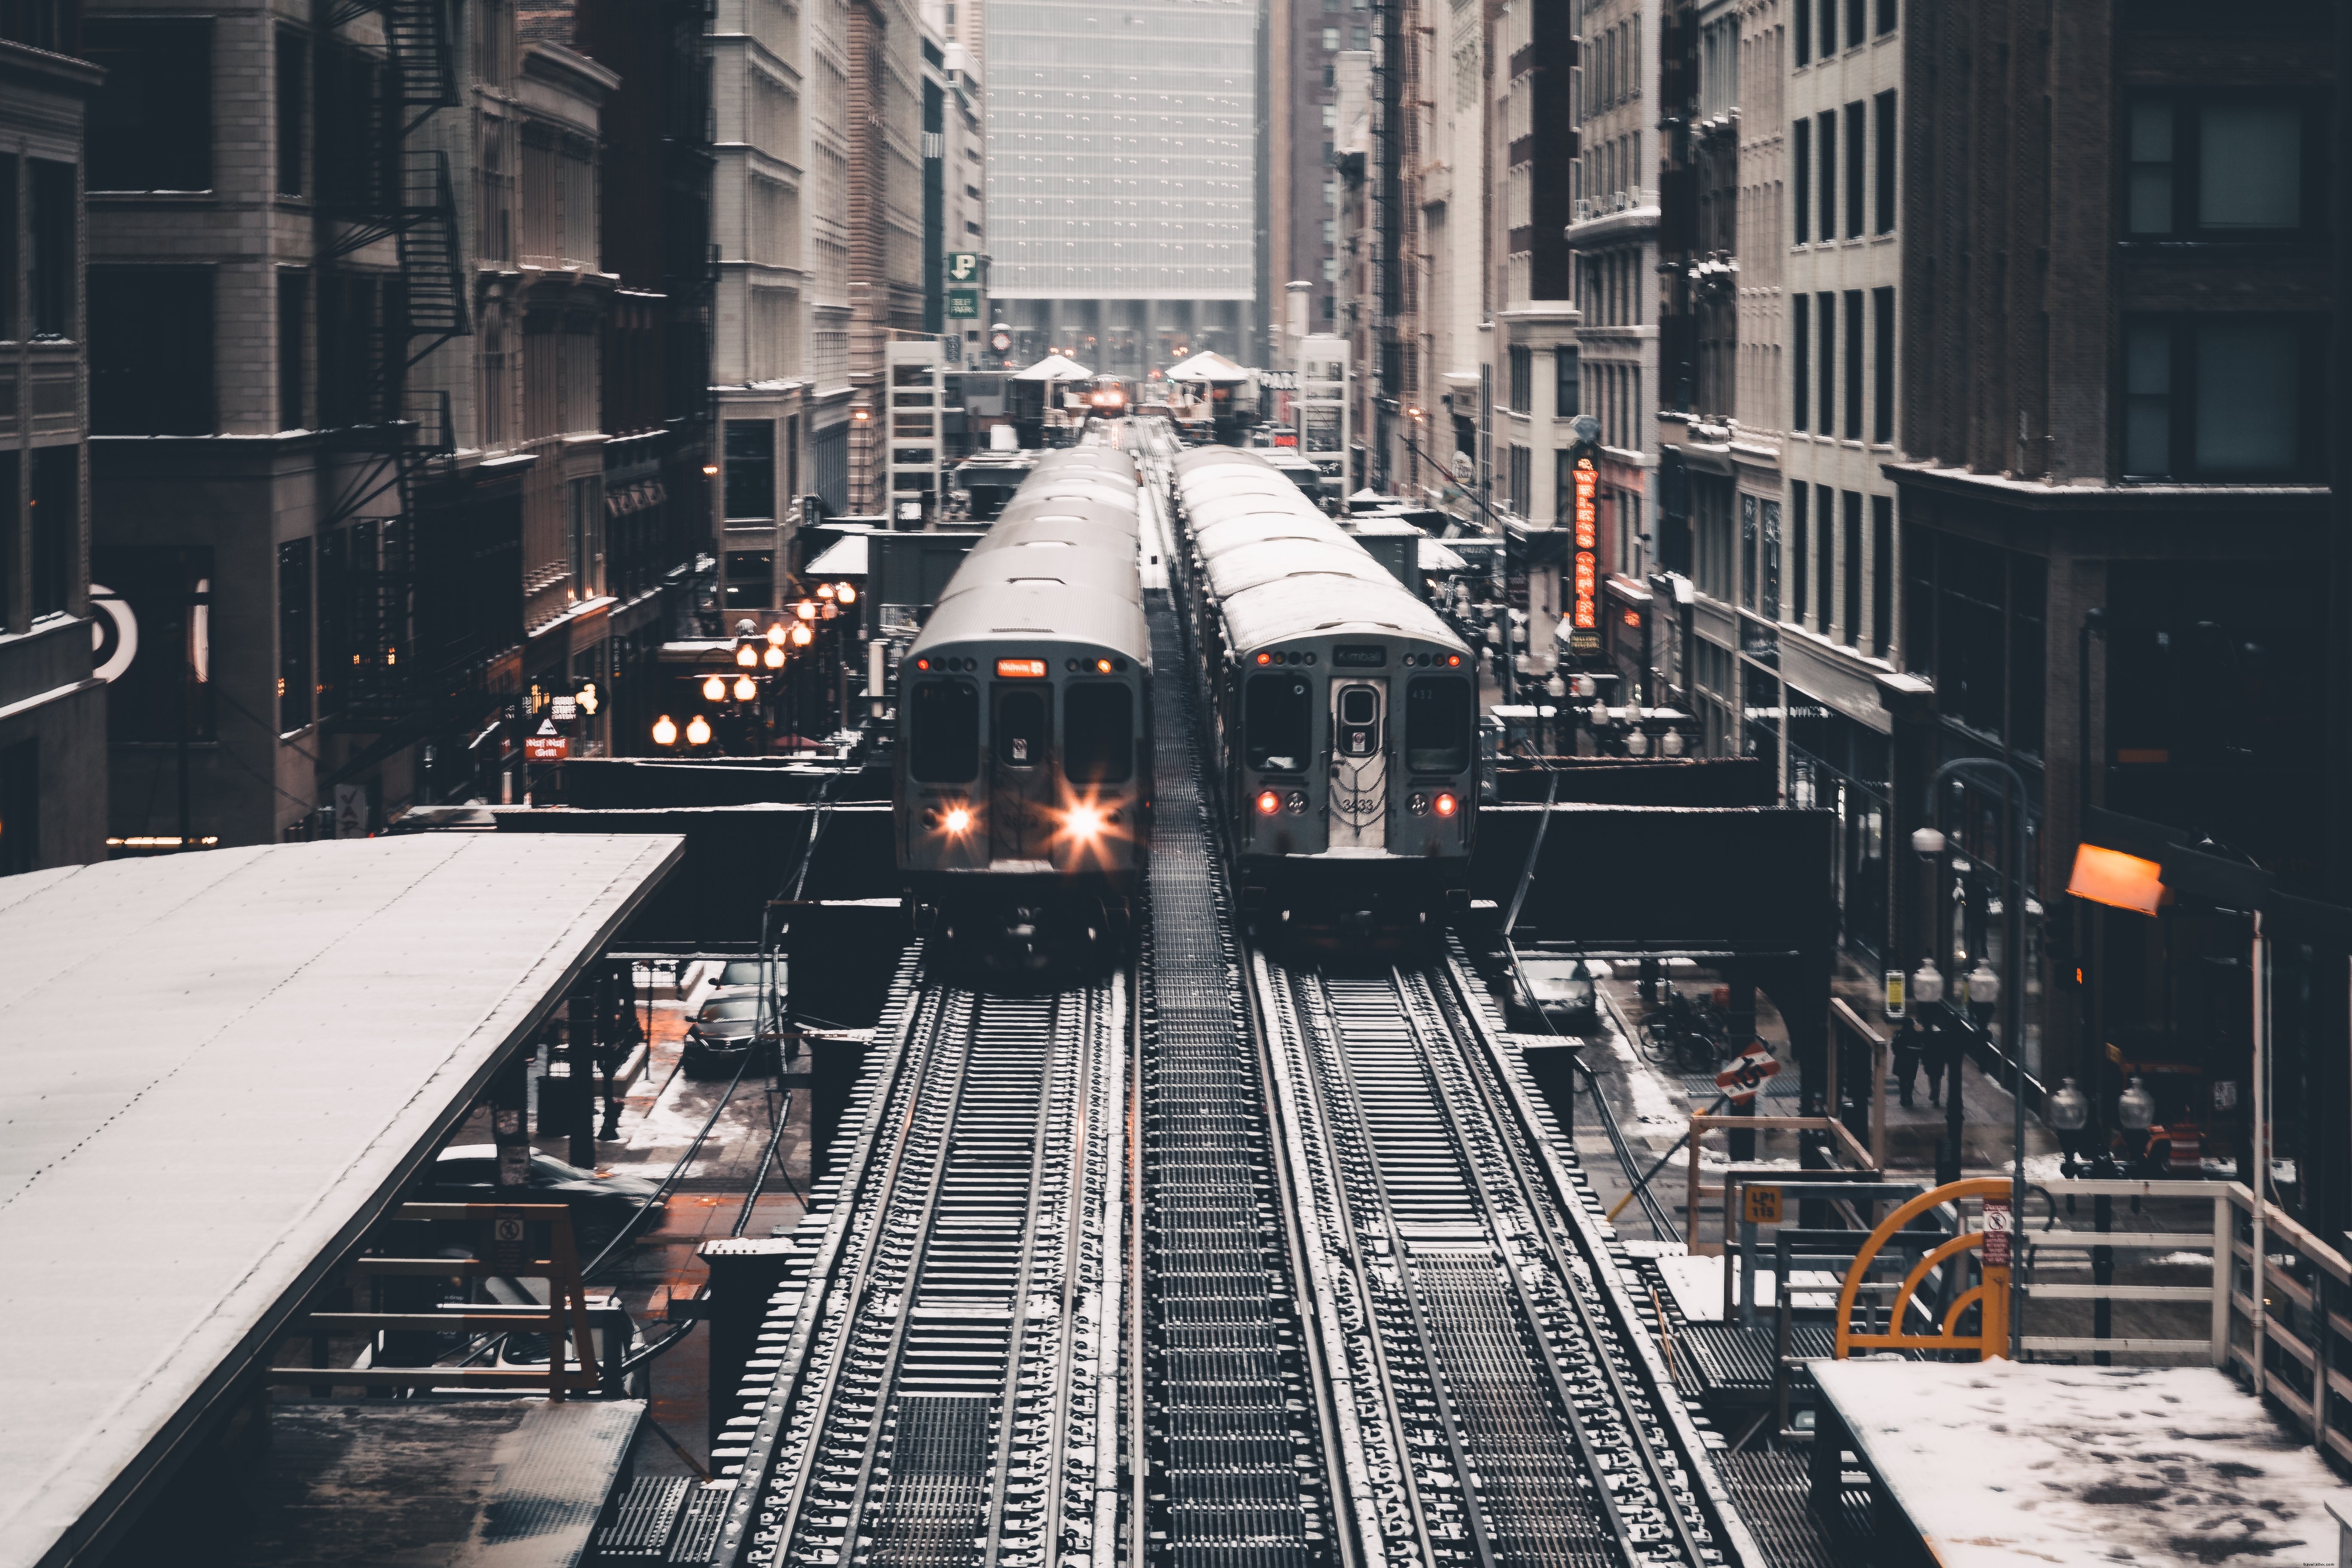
1587	619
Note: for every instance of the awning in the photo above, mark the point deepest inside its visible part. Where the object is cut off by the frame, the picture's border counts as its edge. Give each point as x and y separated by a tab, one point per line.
844	557
1208	365
1055	367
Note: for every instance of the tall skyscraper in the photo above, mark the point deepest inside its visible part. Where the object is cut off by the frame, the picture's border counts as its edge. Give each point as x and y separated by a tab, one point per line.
1121	168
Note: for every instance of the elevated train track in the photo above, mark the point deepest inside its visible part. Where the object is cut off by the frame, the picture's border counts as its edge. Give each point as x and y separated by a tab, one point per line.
1228	1263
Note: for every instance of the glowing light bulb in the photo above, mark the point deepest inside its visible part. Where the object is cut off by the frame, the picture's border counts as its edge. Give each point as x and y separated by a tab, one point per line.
714	688
775	659
746	689
665	732
747	656
698	731
802	636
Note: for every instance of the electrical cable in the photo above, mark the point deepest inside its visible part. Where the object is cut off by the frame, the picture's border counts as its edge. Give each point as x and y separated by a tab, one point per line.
670	1181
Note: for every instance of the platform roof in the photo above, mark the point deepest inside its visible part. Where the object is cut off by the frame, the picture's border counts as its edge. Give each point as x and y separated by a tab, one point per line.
216	1071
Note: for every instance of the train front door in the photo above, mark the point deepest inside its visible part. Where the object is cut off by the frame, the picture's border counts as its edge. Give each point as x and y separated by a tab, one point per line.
1360	767
1021	773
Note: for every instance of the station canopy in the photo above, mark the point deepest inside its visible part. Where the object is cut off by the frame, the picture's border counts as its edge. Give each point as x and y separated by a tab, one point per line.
1207	366
1055	367
217	1071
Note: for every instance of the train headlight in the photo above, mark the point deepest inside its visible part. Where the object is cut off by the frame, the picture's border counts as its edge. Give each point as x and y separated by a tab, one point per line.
1295	803
957	819
1268	802
1417	804
1445	805
1083	822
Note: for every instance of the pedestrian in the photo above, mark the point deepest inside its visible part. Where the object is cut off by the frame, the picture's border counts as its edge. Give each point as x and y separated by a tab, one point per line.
1943	1054
1909	1048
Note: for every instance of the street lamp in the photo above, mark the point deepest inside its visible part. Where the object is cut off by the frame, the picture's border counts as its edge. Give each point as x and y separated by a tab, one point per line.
2069	1111
698	731
665	732
2135	1113
714	688
802	637
774	657
745	687
747	656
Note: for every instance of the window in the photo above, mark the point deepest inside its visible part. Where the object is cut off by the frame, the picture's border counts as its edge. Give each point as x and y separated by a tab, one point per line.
2220	168
1883	107
1826	309
1827	134
750	469
2223	397
751	579
1886	14
337	591
1800	341
1825	558
1520	480
1099	734
1801	33
293	308
1749	562
150	125
56	525
1800	178
1882	575
1854	399
1881	372
151	350
1277	723
293	634
1850	625
293	94
943	719
1331	38
1799	560
1829	28
7	250
1567	391
1857	23
1359	38
54	253
1769	604
587	553
1523	378
1437	717
1856	172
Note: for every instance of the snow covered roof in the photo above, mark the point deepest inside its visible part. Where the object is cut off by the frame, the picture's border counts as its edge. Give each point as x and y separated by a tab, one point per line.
216	1071
2000	1465
1054	367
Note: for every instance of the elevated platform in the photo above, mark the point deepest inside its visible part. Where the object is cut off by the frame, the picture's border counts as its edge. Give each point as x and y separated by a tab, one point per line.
217	1071
2008	1466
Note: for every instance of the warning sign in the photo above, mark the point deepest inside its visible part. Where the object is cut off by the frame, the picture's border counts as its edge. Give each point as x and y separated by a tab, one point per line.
2000	1225
546	746
1748	1072
507	1248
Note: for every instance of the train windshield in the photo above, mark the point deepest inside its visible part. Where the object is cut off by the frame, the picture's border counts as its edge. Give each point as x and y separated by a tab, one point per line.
943	718
1437	725
1277	722
1097	735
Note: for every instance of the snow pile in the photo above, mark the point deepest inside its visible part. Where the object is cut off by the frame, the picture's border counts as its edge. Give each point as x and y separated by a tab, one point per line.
1998	1465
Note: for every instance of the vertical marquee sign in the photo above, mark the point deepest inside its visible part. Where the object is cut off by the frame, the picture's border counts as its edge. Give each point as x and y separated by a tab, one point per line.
1584	628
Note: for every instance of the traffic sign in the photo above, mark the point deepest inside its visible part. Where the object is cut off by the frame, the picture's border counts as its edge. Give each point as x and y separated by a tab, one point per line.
1999	1226
963	267
963	304
563	710
546	746
507	1239
1748	1072
1759	1206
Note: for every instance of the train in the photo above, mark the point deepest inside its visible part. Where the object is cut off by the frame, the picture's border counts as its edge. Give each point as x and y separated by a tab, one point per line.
1023	765
1344	715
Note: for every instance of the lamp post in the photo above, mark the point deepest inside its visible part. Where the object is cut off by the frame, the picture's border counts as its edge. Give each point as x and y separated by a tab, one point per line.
2010	993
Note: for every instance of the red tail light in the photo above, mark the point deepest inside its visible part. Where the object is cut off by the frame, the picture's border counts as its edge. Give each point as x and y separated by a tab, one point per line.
1446	804
1268	803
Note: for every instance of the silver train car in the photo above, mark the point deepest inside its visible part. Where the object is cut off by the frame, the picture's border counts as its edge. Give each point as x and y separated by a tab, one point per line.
1023	781
1345	712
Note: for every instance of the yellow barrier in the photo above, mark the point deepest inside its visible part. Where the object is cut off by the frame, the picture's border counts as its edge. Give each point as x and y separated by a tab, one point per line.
1991	1296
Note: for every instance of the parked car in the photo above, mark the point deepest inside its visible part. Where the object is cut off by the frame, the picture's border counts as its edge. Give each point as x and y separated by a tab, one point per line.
736	977
723	1032
600	1204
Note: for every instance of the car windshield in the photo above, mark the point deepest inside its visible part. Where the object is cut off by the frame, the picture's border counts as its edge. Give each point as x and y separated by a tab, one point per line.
731	1008
745	971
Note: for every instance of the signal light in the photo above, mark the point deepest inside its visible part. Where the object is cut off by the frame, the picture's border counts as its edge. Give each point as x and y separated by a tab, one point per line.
1266	659
1102	667
1268	803
1446	804
923	664
1453	661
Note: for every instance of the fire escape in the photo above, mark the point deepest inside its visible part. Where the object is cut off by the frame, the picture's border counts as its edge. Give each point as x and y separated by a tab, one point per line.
388	188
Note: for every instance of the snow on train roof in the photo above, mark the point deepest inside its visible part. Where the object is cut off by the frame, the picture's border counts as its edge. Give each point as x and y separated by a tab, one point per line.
1320	604
1259	527
1237	571
1089	522
1043	615
1080	568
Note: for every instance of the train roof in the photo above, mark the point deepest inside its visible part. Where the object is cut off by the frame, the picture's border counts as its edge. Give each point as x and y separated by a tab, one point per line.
1083	569
1238	570
1321	603
998	612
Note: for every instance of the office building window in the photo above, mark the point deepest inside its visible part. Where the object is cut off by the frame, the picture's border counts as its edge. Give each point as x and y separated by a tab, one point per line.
1801	178
1850	521
1801	342
338	593
151	350
1882	575
55	521
293	634
1567	391
1825	307
1801	30
1523	381
1857	171
2223	397
1853	344
587	551
54	253
1825	520
1887	15
1857	23
1768	603
150	125
293	101
1829	28
1750	556
1883	107
1827	134
1881	371
751	579
2221	168
1799	560
751	468
293	310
